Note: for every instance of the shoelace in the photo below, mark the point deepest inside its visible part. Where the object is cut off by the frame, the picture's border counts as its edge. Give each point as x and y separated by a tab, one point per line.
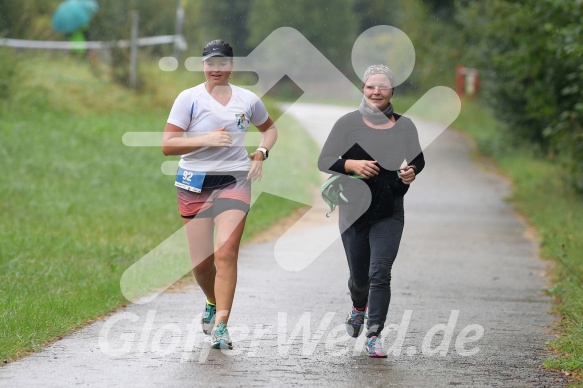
357	318
221	331
374	343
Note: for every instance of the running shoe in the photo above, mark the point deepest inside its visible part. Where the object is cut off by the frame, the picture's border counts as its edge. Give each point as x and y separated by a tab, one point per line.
354	322
374	348
220	337
208	318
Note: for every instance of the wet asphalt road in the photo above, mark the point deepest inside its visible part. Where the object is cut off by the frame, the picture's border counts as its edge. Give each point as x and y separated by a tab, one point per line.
468	306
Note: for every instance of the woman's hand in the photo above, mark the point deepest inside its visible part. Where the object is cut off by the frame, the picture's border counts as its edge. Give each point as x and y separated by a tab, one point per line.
364	168
407	174
218	138
256	171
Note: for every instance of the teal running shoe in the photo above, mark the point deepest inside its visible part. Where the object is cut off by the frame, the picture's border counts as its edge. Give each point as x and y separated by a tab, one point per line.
220	337
354	322
374	348
208	318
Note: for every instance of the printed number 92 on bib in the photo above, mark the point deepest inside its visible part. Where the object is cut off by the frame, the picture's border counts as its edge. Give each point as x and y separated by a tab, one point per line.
189	180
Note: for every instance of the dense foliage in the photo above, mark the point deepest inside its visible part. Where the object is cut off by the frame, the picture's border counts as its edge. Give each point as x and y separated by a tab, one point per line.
530	53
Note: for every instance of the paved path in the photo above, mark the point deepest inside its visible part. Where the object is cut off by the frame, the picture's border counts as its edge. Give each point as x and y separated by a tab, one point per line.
468	305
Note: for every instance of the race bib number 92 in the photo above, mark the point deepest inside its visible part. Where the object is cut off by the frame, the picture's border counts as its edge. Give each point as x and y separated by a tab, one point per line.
189	180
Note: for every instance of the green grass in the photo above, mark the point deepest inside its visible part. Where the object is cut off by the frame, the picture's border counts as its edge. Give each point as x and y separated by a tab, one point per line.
555	210
541	193
78	207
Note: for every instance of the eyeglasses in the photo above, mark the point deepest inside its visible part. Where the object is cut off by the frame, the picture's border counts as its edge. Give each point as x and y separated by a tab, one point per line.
379	87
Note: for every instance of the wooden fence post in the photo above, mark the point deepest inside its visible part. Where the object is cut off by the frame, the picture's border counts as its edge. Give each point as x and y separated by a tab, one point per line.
178	29
134	49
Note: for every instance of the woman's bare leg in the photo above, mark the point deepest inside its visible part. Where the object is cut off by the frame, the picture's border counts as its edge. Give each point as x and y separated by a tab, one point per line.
230	225
199	233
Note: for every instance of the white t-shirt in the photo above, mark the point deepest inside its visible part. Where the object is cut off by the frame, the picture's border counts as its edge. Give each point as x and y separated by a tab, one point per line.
198	113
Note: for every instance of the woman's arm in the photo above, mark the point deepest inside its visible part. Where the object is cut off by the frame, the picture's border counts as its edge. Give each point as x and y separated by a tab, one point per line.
173	142
268	135
364	168
331	161
268	139
414	156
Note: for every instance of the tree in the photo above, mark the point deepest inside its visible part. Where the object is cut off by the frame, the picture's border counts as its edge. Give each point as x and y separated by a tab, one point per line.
329	26
530	54
26	19
437	43
377	12
226	20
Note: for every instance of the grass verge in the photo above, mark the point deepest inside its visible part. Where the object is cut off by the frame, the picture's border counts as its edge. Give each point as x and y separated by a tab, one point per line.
78	207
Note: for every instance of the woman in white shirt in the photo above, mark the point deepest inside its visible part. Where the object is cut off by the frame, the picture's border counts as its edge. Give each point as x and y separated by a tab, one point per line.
207	126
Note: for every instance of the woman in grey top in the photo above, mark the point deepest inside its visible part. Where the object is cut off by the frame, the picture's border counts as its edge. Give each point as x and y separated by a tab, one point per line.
383	149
